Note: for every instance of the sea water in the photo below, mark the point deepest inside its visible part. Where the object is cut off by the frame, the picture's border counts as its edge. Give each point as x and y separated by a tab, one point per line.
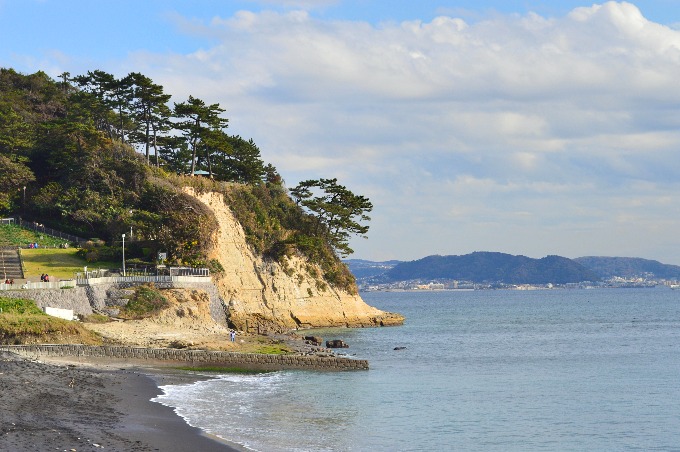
481	370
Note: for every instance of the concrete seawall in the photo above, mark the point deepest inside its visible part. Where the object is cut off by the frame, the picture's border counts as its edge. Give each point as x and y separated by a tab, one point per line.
187	358
93	298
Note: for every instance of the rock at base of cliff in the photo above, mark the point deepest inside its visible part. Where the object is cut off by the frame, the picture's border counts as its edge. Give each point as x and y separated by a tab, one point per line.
314	340
336	343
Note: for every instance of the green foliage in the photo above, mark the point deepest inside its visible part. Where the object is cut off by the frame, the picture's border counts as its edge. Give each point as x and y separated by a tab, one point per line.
200	123
71	144
21	321
13	235
68	143
277	228
19	306
13	177
273	350
488	267
336	210
184	225
57	262
94	253
236	159
215	267
146	301
96	318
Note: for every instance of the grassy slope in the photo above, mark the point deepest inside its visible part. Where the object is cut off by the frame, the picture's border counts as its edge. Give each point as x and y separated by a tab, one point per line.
22	322
12	235
60	263
56	262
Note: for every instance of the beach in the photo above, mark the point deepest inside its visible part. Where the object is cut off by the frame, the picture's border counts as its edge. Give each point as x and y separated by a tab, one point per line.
67	407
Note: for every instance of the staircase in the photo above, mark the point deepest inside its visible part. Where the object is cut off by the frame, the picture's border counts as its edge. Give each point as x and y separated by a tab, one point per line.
10	264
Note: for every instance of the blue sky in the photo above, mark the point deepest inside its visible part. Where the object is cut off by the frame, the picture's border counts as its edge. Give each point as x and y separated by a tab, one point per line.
526	127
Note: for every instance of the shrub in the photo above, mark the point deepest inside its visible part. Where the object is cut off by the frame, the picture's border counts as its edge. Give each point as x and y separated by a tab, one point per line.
146	301
215	267
22	322
277	228
96	318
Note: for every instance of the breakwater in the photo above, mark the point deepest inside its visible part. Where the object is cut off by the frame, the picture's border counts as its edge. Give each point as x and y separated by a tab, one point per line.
165	357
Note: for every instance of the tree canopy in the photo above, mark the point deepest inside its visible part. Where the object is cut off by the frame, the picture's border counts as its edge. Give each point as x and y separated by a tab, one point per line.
338	211
82	148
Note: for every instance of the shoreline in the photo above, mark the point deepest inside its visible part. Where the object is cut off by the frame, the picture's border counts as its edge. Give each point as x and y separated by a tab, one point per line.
60	405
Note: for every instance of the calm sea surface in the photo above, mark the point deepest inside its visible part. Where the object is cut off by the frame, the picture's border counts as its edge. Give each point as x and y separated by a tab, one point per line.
483	370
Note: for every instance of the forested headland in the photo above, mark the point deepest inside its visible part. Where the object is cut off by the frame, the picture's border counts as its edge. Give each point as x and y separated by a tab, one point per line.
98	156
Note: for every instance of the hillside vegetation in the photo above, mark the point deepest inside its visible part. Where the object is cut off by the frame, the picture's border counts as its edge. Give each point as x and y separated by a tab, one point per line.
22	322
99	156
629	267
57	262
13	235
492	267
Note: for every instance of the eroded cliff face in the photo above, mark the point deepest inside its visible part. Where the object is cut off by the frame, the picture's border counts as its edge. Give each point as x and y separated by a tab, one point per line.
263	297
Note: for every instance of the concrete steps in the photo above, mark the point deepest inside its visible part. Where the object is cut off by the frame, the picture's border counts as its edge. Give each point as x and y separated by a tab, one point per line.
10	264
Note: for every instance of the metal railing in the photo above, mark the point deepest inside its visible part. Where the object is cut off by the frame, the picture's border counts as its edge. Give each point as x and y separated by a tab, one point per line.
143	272
37	227
142	279
38	285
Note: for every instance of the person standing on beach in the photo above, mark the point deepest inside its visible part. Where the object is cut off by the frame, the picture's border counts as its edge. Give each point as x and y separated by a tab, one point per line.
233	335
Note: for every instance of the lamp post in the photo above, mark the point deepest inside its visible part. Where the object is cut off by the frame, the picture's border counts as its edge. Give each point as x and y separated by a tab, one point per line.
123	254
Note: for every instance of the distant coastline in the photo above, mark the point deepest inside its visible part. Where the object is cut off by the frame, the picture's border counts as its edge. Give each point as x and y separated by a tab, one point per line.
490	270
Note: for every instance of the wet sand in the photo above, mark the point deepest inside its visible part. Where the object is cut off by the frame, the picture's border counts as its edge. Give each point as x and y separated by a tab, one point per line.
74	408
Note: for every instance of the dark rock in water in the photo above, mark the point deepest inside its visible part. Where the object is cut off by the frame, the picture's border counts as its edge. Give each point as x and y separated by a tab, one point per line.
336	343
313	340
399	348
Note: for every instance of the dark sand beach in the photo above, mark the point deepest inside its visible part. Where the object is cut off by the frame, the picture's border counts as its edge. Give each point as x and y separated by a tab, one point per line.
74	408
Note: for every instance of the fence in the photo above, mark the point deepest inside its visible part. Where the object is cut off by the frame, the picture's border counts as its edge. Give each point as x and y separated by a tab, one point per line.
47	231
39	285
144	272
142	279
187	271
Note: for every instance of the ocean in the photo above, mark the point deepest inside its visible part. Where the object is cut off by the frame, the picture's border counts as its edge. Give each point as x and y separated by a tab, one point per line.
481	370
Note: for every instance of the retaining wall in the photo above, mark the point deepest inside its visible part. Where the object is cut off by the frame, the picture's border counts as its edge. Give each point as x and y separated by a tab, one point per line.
163	357
74	298
87	299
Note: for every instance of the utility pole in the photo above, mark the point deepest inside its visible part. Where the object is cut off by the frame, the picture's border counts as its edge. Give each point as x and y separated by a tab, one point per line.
123	254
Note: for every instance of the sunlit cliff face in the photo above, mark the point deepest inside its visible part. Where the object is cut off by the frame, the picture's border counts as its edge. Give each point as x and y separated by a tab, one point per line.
262	296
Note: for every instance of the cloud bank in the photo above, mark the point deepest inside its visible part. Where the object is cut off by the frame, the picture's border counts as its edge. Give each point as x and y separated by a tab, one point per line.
515	133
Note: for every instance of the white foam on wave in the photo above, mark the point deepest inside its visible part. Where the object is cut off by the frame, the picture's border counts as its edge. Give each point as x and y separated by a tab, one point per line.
225	405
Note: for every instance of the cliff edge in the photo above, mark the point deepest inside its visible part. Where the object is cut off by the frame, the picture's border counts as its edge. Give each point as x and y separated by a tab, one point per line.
264	297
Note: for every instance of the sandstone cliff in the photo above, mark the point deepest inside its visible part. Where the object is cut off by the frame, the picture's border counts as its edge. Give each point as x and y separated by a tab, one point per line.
262	296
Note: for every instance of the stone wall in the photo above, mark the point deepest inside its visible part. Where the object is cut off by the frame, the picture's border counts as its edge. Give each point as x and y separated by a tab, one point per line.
75	298
189	358
85	300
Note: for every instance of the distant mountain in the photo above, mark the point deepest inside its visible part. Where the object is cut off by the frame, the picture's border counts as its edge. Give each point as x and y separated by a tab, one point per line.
628	267
362	269
492	267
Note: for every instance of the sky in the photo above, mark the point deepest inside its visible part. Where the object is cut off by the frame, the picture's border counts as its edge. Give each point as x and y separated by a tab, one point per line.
526	127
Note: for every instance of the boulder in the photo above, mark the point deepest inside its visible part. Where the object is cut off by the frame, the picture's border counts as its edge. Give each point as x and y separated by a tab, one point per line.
336	343
313	340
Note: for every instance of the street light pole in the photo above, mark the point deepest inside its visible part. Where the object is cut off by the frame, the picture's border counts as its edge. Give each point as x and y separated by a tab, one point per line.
123	254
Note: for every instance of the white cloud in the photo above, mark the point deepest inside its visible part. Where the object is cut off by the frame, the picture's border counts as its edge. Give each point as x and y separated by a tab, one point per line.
513	133
302	4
